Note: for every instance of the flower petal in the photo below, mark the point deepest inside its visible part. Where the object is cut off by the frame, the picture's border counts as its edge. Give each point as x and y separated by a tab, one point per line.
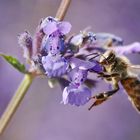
97	68
50	28
128	49
65	96
77	96
45	21
64	27
82	64
105	37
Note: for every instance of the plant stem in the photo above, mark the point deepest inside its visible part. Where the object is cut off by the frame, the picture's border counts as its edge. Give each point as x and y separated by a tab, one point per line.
27	81
15	101
62	10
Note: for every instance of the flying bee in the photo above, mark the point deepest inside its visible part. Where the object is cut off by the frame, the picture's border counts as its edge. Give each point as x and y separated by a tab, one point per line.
119	69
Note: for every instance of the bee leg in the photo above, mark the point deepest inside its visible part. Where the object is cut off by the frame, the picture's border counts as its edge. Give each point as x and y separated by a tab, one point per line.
103	75
100	98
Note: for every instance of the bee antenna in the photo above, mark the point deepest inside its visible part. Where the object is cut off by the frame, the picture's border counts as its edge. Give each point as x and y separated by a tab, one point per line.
96	55
92	54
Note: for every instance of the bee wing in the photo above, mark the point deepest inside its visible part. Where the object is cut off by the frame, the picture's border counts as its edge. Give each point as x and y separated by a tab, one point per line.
135	66
134	69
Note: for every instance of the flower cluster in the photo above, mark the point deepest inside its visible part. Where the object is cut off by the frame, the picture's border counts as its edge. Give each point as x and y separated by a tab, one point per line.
69	59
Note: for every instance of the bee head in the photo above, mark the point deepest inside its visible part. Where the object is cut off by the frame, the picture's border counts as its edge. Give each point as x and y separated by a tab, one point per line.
108	58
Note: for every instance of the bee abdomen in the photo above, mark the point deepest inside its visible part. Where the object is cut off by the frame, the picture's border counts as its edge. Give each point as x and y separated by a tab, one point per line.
132	87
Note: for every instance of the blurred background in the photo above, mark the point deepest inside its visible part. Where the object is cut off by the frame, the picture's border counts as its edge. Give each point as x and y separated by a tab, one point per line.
40	115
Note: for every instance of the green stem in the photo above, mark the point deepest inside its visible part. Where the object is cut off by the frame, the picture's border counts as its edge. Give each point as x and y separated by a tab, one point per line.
15	102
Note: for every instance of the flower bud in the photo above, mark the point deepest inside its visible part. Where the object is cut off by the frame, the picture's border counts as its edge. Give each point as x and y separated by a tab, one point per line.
25	42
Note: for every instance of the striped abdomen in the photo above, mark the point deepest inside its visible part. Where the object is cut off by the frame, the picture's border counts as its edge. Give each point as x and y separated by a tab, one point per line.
132	87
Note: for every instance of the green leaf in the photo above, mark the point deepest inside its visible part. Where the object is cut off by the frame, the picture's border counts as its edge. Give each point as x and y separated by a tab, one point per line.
14	62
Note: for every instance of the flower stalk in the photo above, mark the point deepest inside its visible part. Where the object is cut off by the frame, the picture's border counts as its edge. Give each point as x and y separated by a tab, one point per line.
27	80
15	101
62	10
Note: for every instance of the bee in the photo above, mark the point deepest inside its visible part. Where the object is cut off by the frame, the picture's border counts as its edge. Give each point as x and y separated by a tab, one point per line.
119	70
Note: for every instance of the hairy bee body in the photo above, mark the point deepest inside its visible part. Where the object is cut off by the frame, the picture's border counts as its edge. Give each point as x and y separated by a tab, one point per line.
129	80
132	87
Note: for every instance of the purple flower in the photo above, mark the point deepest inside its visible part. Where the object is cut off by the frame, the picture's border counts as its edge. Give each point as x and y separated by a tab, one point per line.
45	22
97	68
132	48
82	38
78	76
92	66
76	95
104	38
53	63
83	64
53	45
54	66
51	25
